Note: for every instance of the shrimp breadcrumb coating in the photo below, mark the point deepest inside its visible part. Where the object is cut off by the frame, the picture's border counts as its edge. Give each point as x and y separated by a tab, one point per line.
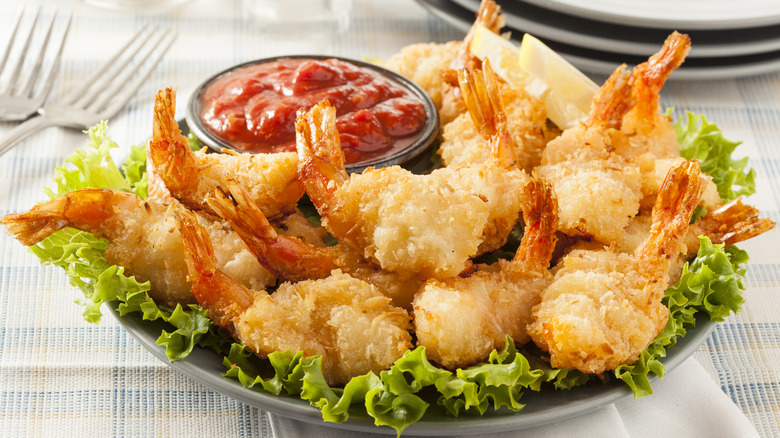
345	320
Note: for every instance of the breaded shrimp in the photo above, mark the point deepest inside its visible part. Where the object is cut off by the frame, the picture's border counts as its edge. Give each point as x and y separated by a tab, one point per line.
142	238
346	321
625	117
603	170
524	120
430	225
433	66
596	198
292	259
461	320
733	222
191	176
604	306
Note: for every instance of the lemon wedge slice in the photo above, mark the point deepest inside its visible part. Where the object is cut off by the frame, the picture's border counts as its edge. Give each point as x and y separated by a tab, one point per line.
566	92
503	56
570	92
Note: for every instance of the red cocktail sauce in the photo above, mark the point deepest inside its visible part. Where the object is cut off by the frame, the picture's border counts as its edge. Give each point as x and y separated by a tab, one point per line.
253	108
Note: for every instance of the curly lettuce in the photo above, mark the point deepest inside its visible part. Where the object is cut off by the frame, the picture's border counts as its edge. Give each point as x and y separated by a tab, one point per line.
704	141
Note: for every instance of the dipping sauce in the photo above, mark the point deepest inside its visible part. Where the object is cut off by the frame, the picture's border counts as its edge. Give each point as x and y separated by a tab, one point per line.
253	108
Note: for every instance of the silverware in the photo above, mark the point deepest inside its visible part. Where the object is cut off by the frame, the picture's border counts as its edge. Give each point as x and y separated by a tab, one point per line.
105	92
18	99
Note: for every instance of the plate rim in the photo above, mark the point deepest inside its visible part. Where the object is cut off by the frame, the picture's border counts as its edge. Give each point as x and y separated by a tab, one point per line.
146	333
599	35
596	66
627	16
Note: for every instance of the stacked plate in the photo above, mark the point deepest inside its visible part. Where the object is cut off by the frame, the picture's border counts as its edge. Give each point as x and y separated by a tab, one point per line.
730	38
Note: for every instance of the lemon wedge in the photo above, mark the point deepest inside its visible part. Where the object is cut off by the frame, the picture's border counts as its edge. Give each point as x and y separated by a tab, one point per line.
503	56
570	92
566	92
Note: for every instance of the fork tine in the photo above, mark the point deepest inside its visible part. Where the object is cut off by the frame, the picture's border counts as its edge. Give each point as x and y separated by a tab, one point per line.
117	69
13	82
77	93
49	77
26	89
116	101
12	38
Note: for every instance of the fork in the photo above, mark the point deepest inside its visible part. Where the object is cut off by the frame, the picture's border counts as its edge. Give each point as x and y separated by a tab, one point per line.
19	100
102	94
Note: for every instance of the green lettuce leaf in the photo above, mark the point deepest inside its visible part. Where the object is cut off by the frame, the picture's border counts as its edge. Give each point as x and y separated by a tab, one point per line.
703	140
91	167
134	170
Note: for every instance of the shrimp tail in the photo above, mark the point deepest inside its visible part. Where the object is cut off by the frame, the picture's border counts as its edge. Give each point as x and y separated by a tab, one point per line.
37	224
649	77
224	298
613	100
733	222
286	257
677	198
169	150
540	214
490	16
320	158
482	97
86	210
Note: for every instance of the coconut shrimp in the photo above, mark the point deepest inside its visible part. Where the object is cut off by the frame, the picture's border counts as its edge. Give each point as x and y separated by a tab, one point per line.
600	190
345	320
731	223
461	320
191	176
430	225
434	66
293	259
625	118
603	307
525	121
142	238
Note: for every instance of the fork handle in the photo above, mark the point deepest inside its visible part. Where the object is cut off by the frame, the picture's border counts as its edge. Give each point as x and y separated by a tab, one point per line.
21	131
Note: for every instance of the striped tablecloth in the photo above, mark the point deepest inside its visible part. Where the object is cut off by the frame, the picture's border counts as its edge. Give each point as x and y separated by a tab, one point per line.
60	376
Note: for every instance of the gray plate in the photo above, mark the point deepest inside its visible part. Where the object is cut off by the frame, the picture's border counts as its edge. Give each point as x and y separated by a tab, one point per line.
205	366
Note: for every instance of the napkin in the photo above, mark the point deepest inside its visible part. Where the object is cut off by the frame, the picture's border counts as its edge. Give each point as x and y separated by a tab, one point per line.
686	403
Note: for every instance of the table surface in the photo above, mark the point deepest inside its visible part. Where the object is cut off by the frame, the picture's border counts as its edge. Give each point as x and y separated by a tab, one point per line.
60	375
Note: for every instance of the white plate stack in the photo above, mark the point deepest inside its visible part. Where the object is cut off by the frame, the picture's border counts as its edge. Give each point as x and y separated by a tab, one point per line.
729	38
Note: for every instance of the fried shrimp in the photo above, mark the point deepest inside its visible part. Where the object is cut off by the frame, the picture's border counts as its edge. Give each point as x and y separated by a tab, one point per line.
191	176
733	222
523	124
429	225
461	320
142	238
346	321
292	259
603	170
604	307
434	66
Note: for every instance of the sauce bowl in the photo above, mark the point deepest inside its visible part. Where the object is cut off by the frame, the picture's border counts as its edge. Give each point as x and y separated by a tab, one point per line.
414	154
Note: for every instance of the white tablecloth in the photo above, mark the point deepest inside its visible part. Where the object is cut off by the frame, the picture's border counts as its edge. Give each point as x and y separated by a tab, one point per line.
60	376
